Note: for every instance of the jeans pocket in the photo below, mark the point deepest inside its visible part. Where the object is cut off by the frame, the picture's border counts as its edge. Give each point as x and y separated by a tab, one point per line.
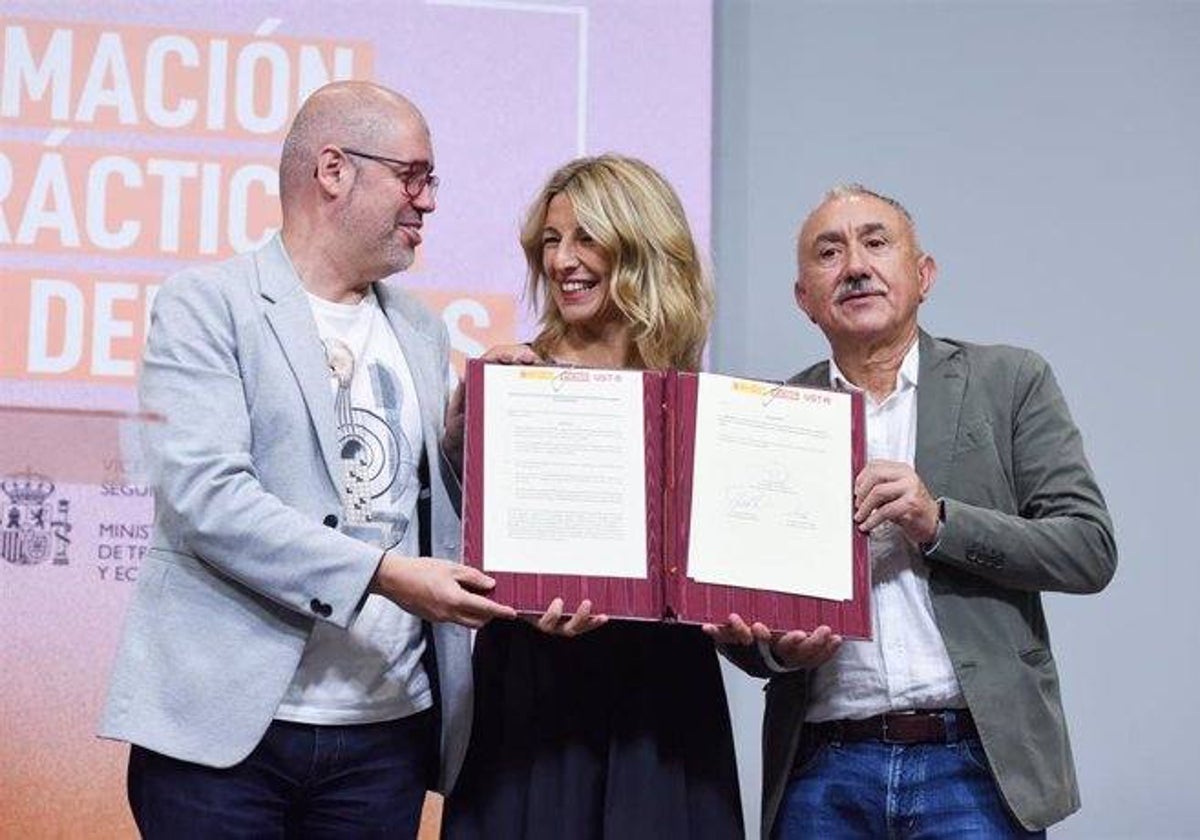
971	751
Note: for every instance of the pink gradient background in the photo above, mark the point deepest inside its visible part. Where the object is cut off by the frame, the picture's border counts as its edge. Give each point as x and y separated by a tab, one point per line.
499	88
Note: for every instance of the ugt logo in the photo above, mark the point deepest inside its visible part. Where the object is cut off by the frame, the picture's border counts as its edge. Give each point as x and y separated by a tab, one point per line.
33	527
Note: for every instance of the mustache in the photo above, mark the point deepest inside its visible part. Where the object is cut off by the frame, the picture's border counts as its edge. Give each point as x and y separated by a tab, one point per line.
863	284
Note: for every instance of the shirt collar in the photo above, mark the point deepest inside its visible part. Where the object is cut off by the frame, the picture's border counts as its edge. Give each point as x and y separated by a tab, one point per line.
907	378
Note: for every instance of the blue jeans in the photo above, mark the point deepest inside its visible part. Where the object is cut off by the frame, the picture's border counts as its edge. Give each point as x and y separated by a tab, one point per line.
875	789
300	781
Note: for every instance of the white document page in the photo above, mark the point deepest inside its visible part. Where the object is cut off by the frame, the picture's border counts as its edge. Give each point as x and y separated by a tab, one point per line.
564	472
771	489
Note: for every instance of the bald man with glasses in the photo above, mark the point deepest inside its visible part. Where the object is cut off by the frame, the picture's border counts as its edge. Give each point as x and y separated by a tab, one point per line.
296	661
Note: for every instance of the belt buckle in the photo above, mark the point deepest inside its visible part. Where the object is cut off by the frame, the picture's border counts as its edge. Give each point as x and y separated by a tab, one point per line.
884	734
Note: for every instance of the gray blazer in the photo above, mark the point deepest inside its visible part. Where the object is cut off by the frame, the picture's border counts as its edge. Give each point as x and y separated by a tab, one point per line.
1023	515
247	554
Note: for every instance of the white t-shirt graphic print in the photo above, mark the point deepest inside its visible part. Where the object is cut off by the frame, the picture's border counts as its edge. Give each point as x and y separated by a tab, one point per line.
372	671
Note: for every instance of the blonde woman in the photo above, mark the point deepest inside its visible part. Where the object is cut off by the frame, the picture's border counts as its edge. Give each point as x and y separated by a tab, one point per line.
594	728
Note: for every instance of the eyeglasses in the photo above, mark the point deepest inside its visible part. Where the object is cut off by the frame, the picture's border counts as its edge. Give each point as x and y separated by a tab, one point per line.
415	180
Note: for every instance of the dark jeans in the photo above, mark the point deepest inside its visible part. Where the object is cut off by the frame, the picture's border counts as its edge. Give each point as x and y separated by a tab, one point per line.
874	789
300	781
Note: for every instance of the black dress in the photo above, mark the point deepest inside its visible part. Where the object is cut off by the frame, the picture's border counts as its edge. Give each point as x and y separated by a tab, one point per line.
620	734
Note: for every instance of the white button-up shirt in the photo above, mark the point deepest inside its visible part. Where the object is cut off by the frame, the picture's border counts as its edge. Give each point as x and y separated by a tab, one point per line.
905	665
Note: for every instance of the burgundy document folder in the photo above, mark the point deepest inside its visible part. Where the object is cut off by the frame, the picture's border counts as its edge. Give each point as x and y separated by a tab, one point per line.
666	592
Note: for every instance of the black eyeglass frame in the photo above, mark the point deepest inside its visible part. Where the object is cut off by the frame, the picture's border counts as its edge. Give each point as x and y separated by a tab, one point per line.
421	179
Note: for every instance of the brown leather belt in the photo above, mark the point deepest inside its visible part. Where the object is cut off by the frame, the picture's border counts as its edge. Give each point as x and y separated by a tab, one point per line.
922	727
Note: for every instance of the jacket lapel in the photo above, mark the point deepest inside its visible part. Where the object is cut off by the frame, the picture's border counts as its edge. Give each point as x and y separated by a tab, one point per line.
816	376
941	382
420	354
290	316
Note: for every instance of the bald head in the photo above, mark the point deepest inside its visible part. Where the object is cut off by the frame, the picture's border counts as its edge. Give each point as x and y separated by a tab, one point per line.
351	113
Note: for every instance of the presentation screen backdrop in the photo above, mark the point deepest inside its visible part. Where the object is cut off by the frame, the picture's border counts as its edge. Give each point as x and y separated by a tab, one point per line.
140	138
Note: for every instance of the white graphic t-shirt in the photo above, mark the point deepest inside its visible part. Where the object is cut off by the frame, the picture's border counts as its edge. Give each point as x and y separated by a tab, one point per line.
372	671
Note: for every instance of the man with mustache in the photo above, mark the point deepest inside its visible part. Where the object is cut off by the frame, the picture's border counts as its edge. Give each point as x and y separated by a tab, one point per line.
292	662
977	497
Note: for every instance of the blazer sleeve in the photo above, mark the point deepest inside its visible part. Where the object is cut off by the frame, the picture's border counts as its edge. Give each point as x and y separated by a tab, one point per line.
1061	537
211	502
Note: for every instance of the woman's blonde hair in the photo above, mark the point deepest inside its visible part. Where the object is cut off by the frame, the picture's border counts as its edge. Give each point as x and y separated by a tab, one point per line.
656	282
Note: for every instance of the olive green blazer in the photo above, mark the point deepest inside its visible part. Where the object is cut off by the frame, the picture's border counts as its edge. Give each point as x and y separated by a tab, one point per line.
1023	515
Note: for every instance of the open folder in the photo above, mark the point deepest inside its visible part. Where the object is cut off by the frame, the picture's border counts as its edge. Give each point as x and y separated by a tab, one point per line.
666	496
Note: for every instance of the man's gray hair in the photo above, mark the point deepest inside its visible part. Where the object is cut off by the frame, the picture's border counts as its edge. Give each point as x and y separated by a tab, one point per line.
848	190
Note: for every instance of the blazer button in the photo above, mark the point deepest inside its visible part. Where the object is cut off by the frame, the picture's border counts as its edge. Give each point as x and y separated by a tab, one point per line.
320	608
330	521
